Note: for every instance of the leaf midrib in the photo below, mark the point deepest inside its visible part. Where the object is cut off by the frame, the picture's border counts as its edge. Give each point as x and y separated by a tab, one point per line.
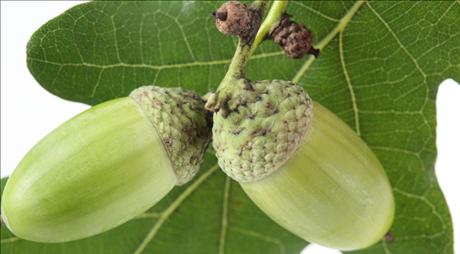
151	66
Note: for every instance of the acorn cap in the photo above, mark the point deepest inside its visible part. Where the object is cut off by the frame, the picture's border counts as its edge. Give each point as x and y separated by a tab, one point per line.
183	125
259	126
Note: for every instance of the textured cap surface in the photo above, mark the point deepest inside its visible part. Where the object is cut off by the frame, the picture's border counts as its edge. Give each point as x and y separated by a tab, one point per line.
233	18
295	39
258	128
182	123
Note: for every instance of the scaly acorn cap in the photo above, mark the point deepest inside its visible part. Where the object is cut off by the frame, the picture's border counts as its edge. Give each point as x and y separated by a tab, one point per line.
182	123
257	126
106	165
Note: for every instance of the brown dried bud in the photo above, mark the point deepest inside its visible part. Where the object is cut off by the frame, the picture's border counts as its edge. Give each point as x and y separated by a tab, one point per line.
233	18
295	39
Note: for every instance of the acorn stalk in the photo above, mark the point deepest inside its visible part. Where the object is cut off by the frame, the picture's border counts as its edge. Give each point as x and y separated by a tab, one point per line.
106	165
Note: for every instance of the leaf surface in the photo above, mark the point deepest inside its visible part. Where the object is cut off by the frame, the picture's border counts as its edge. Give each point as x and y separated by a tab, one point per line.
379	70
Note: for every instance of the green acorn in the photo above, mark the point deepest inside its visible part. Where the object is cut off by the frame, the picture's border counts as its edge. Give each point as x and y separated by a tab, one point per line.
301	164
107	165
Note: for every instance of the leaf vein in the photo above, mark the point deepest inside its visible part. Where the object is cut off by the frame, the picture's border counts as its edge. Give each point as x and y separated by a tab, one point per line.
184	36
350	87
315	11
326	40
398	41
260	236
9	240
385	247
97	83
148	215
426	201
411	57
224	223
150	66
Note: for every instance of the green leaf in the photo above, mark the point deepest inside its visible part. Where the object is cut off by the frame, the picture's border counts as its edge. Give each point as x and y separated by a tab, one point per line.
379	70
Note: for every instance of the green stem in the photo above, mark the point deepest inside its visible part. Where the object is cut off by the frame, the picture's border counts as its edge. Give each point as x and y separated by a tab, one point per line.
245	50
272	18
238	63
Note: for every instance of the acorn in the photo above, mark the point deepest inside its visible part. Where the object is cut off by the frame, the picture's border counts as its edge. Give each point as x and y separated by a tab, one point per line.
301	164
107	165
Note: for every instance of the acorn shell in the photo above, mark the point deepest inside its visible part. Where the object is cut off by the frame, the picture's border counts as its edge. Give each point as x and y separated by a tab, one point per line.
332	191
106	166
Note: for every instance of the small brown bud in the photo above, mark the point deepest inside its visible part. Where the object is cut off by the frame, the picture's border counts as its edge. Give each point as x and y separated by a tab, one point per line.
389	237
295	39
233	18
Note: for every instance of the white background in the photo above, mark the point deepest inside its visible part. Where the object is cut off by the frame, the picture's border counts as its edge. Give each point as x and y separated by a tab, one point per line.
28	112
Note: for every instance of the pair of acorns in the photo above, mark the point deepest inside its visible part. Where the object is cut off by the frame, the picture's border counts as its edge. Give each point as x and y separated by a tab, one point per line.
302	165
